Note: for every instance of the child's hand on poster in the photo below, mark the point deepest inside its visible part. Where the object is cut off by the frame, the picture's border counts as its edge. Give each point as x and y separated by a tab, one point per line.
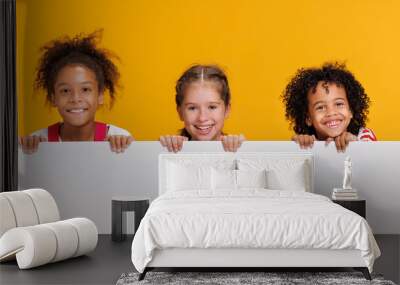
305	141
232	142
30	144
119	143
173	143
342	141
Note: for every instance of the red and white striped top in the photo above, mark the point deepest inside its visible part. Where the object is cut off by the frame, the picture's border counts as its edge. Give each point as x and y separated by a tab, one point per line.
365	134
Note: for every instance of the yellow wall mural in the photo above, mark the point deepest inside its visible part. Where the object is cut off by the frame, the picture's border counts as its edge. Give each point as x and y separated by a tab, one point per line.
260	44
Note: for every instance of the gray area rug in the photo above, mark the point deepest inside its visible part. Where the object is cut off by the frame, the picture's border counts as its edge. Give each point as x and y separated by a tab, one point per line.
269	278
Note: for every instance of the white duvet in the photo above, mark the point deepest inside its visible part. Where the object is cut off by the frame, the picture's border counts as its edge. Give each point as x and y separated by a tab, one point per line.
251	218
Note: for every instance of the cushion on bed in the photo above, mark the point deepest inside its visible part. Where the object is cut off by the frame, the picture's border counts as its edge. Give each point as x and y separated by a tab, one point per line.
184	177
217	172
237	179
223	179
251	178
194	173
287	179
282	174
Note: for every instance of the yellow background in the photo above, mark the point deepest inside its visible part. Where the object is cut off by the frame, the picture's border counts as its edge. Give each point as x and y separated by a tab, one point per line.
259	43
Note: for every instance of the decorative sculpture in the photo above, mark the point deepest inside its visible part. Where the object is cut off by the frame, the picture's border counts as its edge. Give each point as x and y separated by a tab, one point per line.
347	174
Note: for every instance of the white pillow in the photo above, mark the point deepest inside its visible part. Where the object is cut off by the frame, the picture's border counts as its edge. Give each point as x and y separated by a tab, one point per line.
287	179
187	177
251	178
282	174
236	179
223	179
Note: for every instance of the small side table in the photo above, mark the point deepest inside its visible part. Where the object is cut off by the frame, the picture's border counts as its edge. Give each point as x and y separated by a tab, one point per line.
357	206
121	204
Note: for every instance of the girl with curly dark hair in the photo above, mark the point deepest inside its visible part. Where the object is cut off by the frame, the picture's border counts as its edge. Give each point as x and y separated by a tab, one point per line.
203	103
75	74
327	104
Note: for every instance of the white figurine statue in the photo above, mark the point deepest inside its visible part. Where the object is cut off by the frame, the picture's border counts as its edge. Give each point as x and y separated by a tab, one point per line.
347	173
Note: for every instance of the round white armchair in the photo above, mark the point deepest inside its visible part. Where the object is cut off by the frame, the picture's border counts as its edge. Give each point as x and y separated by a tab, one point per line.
31	230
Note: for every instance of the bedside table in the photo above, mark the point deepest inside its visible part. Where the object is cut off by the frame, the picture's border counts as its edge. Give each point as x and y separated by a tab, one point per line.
357	206
121	204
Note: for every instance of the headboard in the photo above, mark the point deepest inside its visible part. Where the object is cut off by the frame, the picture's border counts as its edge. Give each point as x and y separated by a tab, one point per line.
232	159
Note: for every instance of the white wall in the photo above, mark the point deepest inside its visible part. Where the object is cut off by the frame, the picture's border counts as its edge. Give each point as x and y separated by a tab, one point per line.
84	176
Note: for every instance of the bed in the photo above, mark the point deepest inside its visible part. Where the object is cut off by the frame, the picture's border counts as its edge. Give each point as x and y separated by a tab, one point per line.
247	210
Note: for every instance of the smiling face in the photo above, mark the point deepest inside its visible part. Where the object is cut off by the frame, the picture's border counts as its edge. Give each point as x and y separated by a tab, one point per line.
76	95
328	110
203	111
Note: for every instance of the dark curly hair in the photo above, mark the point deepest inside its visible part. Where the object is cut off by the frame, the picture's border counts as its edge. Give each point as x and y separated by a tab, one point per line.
79	50
306	80
202	72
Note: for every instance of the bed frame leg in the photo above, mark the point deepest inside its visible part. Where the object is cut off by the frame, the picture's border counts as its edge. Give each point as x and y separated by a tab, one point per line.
143	274
364	271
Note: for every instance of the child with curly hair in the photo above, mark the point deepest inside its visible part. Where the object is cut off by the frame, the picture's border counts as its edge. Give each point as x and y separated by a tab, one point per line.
75	74
203	103
327	104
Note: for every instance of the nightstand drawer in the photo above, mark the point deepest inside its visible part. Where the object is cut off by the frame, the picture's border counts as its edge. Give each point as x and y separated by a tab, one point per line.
357	206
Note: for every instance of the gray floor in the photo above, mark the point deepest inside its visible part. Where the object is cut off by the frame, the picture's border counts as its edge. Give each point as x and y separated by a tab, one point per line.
110	260
103	266
389	262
